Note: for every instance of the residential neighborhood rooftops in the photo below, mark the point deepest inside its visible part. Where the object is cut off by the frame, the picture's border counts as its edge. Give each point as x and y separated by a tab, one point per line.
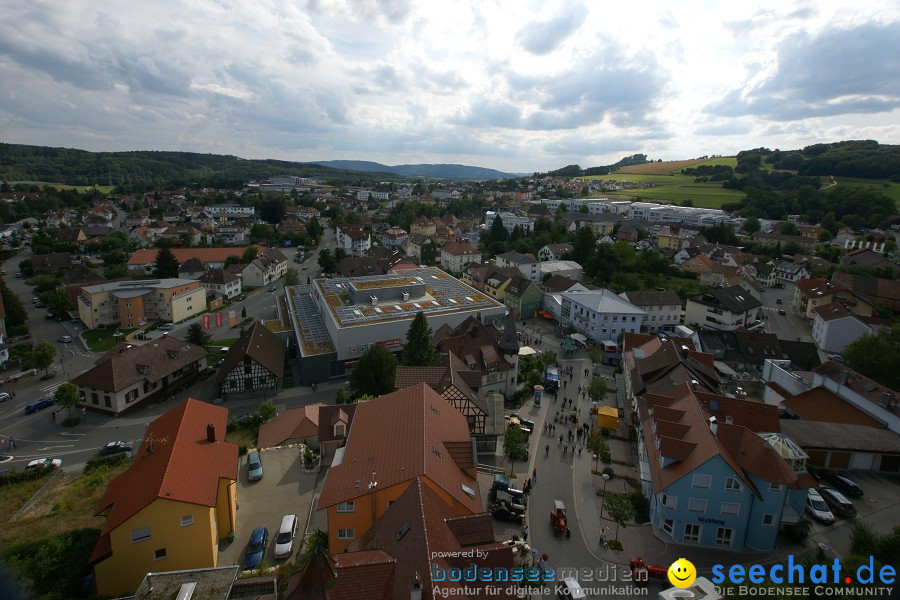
125	364
735	299
652	298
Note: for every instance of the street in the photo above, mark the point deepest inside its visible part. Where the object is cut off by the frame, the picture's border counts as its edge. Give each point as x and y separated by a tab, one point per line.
787	326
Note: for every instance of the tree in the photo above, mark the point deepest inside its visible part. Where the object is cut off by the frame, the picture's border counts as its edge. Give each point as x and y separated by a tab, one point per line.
584	244
166	265
243	312
597	389
374	372
267	410
788	228
291	277
596	354
41	357
419	351
620	510
877	356
339	254
67	397
429	253
232	259
272	211
196	335
327	261
16	315
313	228
515	445
498	230
249	254
342	396
58	302
751	225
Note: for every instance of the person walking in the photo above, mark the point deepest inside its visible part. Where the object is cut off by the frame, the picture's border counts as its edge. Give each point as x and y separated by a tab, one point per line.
534	476
12	443
525	533
54	415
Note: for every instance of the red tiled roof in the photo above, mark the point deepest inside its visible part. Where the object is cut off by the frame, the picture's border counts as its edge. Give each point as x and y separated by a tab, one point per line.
823	405
174	462
302	422
329	415
755	416
401	436
147	256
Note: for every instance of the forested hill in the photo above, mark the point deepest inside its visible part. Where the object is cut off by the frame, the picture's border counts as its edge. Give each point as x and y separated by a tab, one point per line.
854	158
143	170
440	171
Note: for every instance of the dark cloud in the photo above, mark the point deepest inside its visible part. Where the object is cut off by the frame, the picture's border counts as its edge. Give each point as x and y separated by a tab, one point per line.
543	37
840	71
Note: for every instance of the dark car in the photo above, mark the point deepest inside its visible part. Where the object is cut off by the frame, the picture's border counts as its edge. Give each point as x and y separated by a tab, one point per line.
113	448
273	288
781	311
39	405
841	482
65	339
838	503
256	547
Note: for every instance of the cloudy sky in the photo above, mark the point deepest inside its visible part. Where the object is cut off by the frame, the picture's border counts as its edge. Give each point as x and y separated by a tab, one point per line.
514	85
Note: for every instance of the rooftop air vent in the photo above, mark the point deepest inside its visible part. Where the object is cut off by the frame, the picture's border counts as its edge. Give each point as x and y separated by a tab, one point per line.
405	296
374	300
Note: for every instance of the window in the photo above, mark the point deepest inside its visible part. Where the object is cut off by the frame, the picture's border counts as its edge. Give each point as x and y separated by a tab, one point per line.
340	429
669	501
701	481
668	526
159	554
768	520
346	534
732	484
775	487
723	536
346	507
140	534
691	533
696	505
730	508
187	520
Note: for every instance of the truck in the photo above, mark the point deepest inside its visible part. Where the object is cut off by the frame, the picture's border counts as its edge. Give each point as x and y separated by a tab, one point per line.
551	379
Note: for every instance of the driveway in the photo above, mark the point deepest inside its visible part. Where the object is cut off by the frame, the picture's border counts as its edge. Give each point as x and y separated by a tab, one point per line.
284	489
879	507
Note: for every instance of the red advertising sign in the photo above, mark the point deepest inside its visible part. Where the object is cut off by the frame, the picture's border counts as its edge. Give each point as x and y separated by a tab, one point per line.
205	322
389	343
219	319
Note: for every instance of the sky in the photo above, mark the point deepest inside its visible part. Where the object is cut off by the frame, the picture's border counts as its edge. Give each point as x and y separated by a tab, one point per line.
517	86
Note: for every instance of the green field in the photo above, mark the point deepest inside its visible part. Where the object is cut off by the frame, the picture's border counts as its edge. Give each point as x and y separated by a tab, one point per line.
103	189
731	161
888	188
674	189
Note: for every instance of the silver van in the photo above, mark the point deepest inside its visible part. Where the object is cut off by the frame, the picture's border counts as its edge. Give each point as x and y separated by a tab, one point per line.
284	541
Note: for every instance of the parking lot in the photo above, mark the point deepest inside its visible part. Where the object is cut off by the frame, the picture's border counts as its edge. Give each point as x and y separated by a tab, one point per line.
879	507
284	489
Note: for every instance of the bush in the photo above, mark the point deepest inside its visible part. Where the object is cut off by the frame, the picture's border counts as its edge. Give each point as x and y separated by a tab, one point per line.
242	450
615	545
106	461
605	456
54	567
798	533
609	471
641	505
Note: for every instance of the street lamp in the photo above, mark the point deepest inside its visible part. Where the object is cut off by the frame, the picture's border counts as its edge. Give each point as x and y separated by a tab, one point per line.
603	499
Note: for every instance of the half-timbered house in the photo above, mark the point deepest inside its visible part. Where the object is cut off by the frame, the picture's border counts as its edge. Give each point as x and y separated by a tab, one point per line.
255	363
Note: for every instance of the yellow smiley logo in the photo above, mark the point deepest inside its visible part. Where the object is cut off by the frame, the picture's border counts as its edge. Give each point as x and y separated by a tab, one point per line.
682	573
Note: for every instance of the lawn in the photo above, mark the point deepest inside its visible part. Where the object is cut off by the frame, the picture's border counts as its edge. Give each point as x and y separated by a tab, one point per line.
661	168
101	340
675	188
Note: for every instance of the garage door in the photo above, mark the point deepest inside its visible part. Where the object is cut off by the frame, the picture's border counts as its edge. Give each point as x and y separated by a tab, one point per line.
816	457
839	460
862	461
890	464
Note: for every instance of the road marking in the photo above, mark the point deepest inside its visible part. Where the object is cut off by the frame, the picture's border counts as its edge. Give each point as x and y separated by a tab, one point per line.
52	447
72	434
52	388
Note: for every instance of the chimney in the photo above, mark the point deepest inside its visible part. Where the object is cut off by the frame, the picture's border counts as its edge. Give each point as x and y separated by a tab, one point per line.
415	591
713	425
887	399
685	350
845	377
729	420
210	432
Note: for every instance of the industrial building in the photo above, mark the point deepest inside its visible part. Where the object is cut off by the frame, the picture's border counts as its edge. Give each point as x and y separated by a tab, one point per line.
336	320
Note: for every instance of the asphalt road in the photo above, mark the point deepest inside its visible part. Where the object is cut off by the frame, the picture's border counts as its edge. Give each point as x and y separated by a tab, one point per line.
788	326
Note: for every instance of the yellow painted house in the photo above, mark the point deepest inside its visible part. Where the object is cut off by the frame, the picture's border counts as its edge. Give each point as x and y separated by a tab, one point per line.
171	507
413	434
495	286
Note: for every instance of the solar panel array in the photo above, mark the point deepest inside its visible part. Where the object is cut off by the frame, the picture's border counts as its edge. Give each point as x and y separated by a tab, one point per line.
447	294
312	327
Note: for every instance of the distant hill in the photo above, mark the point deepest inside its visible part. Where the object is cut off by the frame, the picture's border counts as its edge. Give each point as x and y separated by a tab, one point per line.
441	171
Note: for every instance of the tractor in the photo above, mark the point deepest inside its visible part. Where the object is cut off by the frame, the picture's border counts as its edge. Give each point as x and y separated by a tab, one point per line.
558	519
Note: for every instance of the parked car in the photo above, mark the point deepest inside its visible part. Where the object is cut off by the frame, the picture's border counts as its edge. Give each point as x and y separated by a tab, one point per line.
19	275
777	300
49	316
4	396
818	508
65	339
112	448
841	482
166	326
242	297
254	466
284	541
219	363
256	547
837	502
46	463
570	588
836	358
39	405
273	288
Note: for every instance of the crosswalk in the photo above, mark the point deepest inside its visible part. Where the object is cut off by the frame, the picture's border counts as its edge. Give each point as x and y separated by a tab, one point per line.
52	388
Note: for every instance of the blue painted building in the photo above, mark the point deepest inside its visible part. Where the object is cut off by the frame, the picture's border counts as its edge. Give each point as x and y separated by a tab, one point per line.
714	484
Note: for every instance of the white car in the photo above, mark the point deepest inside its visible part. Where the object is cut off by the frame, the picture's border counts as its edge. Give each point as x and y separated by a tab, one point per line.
53	463
166	326
816	506
284	541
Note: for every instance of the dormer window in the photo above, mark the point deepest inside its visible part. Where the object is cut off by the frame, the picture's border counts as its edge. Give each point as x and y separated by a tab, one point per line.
340	429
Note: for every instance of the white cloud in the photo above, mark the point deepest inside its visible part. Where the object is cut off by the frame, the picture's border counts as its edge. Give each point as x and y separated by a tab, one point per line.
509	85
